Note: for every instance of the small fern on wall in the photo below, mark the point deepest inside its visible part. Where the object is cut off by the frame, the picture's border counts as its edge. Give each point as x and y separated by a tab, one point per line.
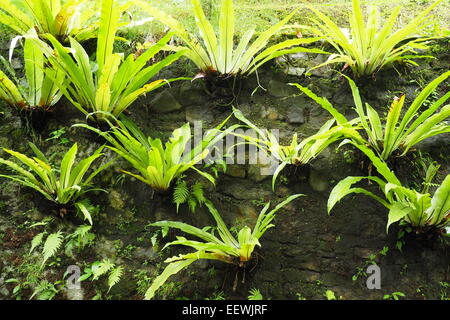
194	197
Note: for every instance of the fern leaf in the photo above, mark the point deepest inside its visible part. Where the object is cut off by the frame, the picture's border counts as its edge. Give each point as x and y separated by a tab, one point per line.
114	276
37	240
51	245
85	208
82	230
180	194
170	270
101	268
197	192
192	203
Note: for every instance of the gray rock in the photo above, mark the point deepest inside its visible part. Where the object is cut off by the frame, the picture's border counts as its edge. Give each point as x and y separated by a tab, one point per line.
3	291
4	45
410	91
203	264
318	181
281	59
382	96
16	63
440	140
162	213
280	89
105	248
237	171
295	116
190	95
270	114
248	214
145	253
343	98
309	266
363	253
36	215
243	191
116	200
320	58
331	163
256	173
294	71
324	71
4	143
13	126
165	102
198	113
292	63
299	56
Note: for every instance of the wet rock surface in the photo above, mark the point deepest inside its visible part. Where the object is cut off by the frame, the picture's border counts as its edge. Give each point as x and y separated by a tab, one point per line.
305	254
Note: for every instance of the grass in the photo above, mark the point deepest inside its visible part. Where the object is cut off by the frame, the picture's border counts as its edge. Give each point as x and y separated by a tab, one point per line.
260	14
